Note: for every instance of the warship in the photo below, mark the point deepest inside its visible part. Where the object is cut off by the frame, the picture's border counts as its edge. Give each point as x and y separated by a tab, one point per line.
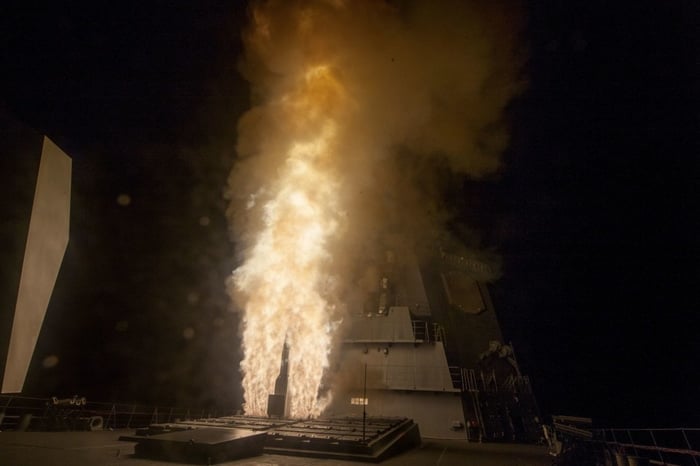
421	352
422	375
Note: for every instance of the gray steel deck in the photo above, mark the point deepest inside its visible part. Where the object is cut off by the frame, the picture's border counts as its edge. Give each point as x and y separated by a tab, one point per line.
102	448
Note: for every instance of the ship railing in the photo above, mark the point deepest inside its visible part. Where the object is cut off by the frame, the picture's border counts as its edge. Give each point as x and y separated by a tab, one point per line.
487	382
509	384
439	333
671	446
19	412
470	380
422	333
517	383
466	380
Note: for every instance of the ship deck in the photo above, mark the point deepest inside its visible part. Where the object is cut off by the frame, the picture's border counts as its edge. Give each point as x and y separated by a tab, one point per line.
104	448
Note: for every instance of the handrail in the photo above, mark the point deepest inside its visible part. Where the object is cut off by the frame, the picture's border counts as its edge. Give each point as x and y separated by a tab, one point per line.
680	451
46	415
668	444
572	438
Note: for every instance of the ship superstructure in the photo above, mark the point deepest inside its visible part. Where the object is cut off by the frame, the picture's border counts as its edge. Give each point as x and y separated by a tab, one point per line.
425	343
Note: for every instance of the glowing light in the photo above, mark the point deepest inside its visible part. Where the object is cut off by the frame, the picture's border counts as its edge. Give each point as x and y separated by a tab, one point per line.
330	109
284	278
50	361
123	200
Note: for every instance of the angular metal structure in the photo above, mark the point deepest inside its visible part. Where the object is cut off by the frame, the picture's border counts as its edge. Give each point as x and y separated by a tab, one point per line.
425	343
223	439
407	374
47	240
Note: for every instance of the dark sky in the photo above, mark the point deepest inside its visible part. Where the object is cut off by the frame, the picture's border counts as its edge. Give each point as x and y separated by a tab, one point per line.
593	213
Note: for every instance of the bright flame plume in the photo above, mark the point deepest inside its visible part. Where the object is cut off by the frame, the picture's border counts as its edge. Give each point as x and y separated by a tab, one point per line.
285	276
337	87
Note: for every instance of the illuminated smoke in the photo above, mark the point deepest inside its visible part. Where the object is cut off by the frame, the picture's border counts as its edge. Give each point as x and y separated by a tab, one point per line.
355	105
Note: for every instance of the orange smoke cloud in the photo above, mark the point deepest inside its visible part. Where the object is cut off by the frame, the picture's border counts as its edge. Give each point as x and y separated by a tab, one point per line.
354	102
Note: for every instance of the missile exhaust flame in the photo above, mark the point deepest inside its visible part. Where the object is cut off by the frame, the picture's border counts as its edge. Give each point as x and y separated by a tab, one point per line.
338	86
285	275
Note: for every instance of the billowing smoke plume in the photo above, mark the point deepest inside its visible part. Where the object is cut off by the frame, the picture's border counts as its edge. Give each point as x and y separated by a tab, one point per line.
357	108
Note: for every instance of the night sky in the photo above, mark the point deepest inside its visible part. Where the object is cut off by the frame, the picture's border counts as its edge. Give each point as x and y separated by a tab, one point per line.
593	212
